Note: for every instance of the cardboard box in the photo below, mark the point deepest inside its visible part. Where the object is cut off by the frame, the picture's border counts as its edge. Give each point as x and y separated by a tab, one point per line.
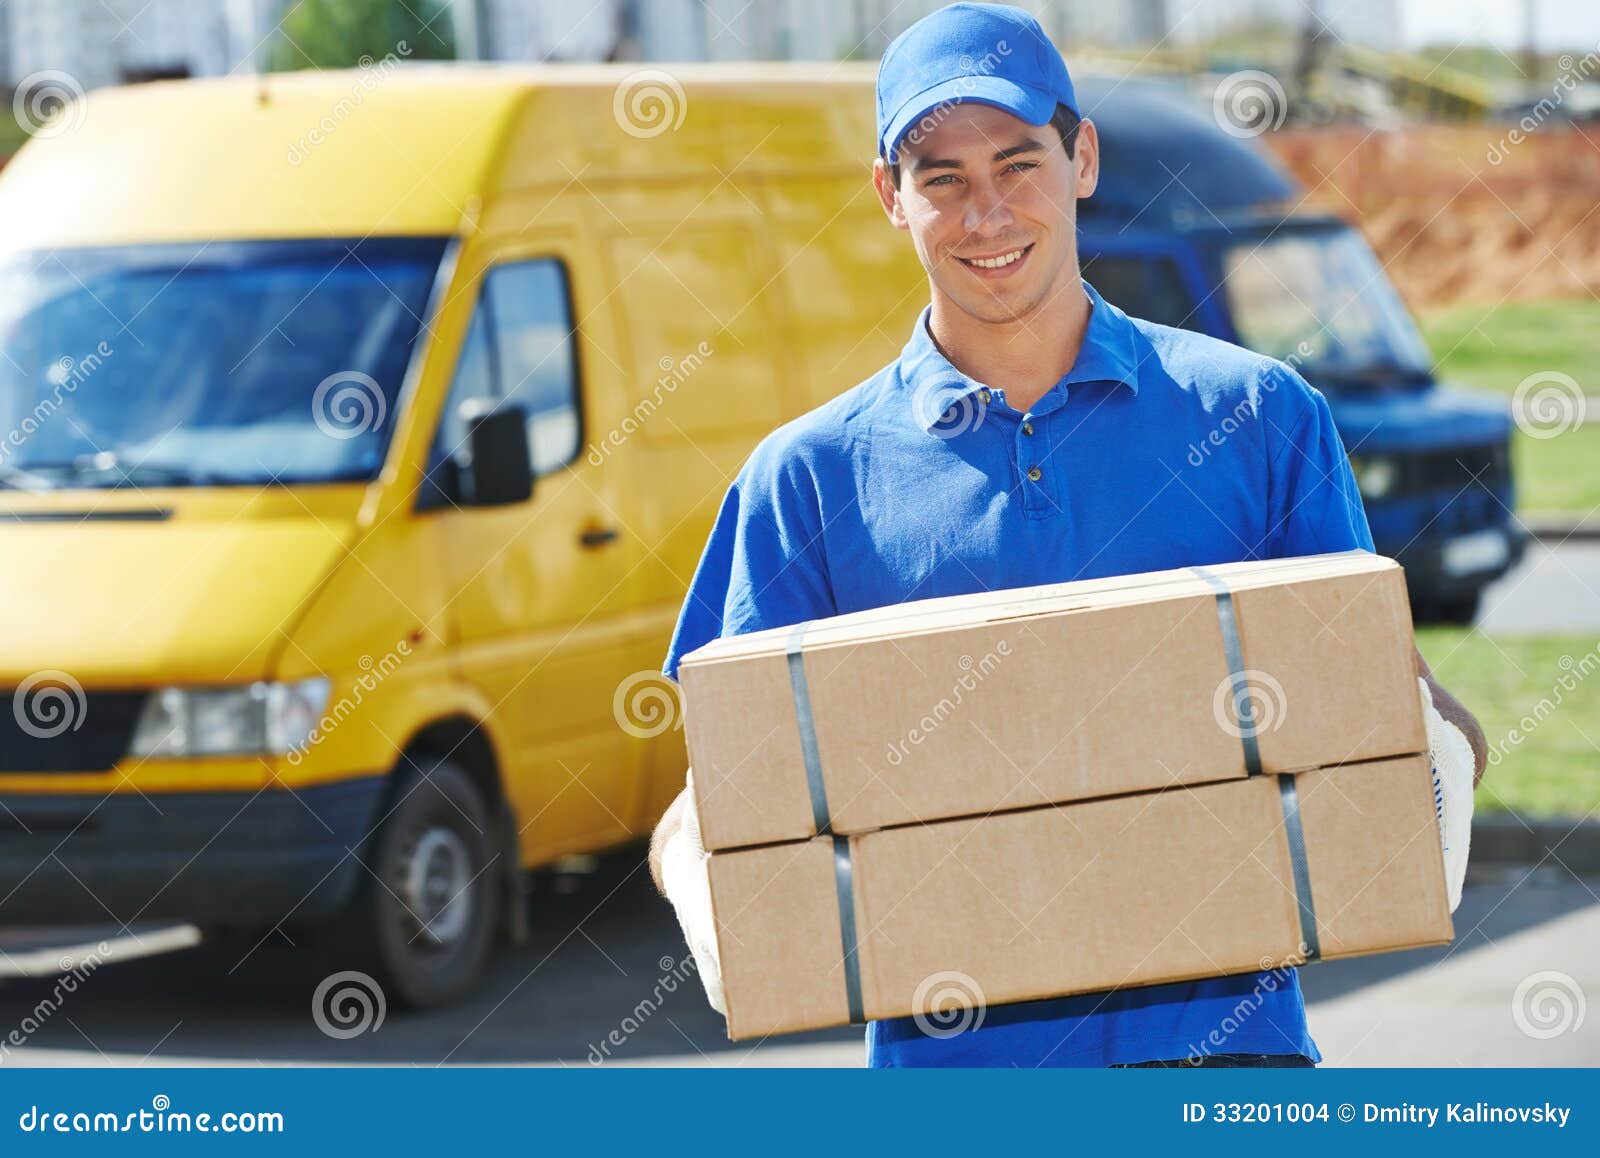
1015	699
1079	898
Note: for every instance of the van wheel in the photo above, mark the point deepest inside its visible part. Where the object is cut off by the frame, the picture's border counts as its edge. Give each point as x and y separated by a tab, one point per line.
428	929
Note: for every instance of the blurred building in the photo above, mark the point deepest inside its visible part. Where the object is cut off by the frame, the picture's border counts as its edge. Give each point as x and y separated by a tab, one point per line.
112	41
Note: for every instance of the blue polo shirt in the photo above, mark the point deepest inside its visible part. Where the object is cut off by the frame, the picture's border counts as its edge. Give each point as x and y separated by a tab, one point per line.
1160	448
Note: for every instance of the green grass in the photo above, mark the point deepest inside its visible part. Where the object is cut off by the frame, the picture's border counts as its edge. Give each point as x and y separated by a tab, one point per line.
1494	349
1508	683
1559	475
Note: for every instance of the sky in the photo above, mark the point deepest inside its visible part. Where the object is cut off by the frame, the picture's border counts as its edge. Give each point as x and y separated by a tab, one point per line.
1559	24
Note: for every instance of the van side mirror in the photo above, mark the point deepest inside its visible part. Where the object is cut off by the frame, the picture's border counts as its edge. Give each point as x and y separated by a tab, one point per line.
498	471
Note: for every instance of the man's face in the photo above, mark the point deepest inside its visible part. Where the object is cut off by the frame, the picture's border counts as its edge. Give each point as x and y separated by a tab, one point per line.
990	202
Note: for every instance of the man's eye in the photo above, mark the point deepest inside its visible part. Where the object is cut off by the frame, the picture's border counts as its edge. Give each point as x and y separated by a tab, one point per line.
943	178
1021	166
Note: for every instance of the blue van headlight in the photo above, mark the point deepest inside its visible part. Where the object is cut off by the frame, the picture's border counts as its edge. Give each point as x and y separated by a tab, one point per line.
251	719
1376	475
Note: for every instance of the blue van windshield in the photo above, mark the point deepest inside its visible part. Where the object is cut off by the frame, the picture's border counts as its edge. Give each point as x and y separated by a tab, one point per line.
1320	300
207	364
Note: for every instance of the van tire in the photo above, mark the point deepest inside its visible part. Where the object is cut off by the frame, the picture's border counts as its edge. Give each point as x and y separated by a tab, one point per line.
427	932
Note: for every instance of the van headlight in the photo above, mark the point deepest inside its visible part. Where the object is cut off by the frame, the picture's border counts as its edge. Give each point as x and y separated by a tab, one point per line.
252	719
1376	475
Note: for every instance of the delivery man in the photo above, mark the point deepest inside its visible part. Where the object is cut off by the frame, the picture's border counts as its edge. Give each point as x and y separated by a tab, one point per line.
1029	433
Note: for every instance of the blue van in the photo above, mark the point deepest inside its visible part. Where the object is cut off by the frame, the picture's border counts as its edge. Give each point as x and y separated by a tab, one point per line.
1192	226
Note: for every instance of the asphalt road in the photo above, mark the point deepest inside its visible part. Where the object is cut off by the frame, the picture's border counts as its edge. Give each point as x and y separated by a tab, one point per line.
1553	589
593	986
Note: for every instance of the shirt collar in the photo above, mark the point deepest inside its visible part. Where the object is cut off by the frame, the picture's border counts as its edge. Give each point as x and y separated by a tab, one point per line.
1107	355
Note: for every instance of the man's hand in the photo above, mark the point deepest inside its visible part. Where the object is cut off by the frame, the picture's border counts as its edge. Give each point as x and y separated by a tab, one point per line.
1455	713
679	864
671	821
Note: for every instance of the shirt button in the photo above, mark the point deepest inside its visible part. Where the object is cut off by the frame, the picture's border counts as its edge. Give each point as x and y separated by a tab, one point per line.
1035	474
983	396
1027	428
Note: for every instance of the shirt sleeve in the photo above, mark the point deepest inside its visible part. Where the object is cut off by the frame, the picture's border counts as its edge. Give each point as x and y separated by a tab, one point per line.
763	565
1314	504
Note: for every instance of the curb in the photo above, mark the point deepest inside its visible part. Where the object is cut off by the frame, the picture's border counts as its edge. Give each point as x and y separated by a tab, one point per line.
1565	845
1552	530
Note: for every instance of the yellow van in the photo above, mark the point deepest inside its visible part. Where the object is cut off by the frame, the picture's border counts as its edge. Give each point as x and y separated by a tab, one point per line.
359	436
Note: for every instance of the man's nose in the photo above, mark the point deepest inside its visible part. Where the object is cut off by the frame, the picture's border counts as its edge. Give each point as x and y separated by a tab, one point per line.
987	213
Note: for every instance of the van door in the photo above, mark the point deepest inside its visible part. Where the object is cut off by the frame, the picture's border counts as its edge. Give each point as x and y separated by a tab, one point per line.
544	592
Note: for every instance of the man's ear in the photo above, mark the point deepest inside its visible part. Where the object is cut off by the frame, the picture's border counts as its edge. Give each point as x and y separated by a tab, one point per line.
888	194
1086	156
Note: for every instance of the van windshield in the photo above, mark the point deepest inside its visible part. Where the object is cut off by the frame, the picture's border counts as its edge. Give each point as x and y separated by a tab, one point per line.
211	364
1320	300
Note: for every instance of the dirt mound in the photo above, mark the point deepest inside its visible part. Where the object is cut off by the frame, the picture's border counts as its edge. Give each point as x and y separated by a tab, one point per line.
1463	214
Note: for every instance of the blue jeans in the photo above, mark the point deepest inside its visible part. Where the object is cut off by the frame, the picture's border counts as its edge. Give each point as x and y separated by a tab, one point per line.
1239	1060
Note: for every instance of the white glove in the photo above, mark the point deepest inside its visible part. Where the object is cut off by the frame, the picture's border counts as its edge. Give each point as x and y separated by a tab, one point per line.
686	874
1452	792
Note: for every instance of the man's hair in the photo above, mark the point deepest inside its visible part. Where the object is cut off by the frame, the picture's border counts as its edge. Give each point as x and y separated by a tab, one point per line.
1066	125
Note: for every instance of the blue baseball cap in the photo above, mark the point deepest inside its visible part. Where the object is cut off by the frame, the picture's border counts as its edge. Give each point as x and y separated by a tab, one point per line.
991	54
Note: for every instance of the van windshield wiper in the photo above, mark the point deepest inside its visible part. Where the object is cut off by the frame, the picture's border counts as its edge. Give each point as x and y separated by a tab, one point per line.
1375	374
106	465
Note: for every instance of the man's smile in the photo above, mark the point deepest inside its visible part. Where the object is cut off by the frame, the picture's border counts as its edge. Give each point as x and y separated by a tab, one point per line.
997	265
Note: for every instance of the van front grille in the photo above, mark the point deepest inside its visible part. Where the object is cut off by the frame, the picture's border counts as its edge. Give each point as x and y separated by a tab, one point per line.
55	727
